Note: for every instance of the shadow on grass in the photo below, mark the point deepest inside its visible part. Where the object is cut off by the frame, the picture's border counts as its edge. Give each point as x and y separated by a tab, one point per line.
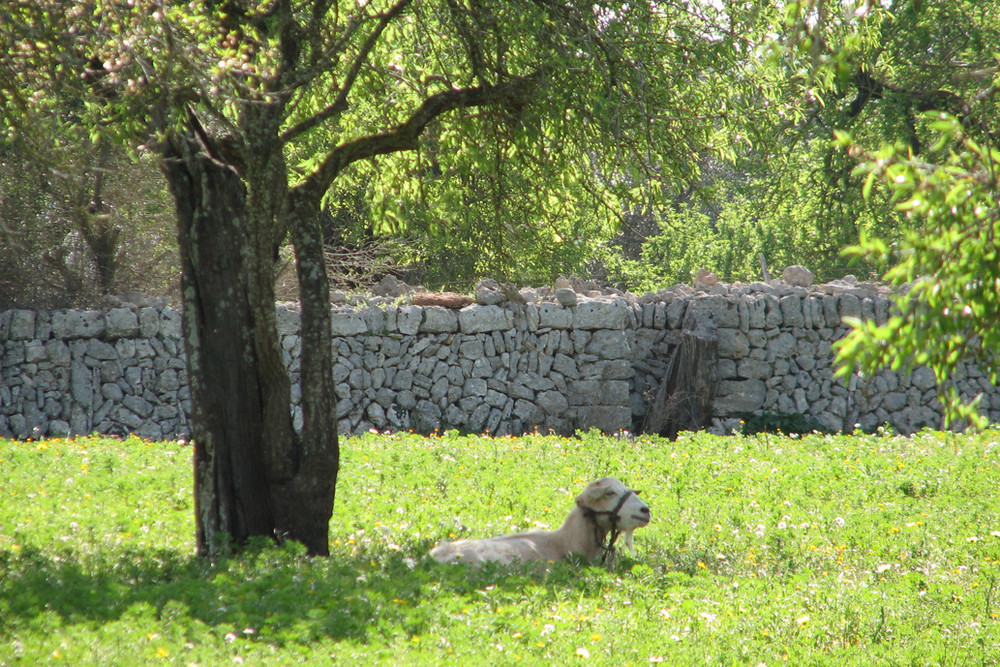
284	596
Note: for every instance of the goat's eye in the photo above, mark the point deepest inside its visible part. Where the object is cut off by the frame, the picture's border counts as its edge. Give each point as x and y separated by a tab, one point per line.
609	493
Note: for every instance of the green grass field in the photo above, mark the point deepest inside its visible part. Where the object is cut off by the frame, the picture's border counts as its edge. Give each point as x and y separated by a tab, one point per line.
763	550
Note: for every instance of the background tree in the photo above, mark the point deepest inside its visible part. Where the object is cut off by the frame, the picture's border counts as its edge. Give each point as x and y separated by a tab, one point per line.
923	82
259	110
80	217
790	192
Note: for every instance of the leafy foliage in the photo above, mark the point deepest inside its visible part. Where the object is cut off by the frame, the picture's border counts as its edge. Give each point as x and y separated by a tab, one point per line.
790	192
771	422
529	191
948	269
705	142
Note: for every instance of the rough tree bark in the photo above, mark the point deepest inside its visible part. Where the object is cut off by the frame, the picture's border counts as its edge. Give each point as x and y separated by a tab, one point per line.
683	400
253	476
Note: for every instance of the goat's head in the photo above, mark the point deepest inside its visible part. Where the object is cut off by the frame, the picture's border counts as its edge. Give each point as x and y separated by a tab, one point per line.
614	505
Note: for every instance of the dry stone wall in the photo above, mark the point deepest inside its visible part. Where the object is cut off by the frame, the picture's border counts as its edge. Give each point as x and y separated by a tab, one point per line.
502	369
545	362
114	371
775	357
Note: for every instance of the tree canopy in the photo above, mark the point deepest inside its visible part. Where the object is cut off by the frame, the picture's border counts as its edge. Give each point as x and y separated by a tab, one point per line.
516	124
870	69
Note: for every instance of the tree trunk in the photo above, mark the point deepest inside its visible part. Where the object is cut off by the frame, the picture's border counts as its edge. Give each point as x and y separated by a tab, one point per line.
315	485
684	399
95	223
254	476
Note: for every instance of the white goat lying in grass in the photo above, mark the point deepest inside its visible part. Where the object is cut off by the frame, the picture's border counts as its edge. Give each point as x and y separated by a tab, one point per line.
605	509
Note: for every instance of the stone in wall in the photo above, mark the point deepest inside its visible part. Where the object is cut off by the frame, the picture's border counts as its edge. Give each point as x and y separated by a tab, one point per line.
489	367
739	397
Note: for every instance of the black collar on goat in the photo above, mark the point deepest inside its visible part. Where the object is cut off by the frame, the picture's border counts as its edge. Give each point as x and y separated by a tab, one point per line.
601	533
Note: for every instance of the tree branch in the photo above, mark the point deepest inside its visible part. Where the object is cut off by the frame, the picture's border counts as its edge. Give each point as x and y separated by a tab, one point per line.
404	137
339	105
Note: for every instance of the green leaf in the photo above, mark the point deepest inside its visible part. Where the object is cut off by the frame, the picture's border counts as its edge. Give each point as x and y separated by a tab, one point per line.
842	138
866	189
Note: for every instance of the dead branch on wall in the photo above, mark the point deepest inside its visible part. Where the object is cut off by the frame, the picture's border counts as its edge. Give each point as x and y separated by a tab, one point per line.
683	401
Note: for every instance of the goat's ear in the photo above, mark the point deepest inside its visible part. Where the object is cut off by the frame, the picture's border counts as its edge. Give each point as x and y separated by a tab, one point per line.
592	492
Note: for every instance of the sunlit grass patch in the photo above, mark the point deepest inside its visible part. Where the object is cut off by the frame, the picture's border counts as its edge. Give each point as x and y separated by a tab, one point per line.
763	549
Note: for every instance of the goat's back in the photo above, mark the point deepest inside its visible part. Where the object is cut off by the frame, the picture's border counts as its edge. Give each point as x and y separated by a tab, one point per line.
506	549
